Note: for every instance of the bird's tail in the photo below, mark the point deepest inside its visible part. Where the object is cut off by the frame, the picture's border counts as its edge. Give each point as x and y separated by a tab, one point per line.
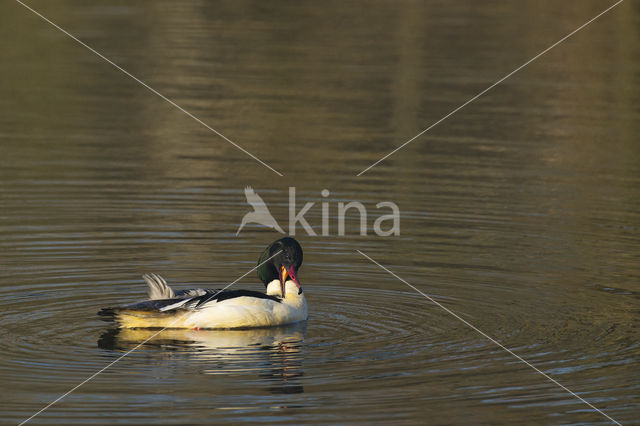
278	228
148	314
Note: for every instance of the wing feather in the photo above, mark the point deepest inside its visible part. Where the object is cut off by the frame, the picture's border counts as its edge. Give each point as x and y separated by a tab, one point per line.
158	287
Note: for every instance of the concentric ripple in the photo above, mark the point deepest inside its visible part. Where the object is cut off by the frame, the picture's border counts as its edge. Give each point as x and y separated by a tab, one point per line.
520	213
379	344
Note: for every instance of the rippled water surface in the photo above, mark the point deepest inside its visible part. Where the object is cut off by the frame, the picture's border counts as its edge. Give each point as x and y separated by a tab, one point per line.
520	213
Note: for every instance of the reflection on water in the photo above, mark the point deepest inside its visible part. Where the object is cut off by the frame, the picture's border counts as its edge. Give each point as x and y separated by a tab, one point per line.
273	354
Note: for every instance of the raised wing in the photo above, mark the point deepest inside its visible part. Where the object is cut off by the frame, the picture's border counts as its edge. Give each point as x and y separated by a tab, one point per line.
254	199
158	287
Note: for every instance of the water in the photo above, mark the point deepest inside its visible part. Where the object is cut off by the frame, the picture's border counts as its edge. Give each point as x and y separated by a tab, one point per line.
519	213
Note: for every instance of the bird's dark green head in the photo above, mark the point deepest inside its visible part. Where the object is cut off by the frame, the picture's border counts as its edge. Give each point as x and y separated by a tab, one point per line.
280	260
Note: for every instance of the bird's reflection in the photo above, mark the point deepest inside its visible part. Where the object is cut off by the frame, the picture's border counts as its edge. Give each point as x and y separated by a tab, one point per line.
274	353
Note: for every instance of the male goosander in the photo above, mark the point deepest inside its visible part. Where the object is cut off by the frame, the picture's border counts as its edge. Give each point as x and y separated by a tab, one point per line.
282	303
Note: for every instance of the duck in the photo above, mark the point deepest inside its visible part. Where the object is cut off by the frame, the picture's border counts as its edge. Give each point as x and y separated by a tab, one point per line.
282	303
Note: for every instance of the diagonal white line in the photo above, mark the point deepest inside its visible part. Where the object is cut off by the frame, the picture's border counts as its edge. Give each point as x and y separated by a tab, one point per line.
149	87
136	347
247	273
432	300
490	87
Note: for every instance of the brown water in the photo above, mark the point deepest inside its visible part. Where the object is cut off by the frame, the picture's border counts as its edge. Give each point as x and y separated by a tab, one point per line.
520	213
